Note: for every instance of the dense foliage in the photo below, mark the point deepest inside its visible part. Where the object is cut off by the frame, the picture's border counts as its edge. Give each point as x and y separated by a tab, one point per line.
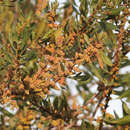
44	45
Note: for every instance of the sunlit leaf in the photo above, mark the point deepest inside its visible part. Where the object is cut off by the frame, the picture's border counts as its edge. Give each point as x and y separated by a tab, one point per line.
6	112
122	121
125	94
86	125
126	108
105	58
86	38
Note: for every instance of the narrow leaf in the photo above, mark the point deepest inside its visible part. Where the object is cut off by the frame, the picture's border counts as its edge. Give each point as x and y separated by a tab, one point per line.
122	121
126	108
5	112
125	94
105	58
86	38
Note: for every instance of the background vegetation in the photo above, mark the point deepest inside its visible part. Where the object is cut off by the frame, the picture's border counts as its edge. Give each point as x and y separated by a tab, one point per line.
43	44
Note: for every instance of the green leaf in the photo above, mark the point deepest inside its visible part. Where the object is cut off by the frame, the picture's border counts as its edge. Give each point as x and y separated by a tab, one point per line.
83	126
87	96
7	56
116	11
46	123
125	94
116	115
97	73
84	82
58	33
125	62
2	17
122	121
55	103
110	26
105	58
75	9
86	126
40	28
5	112
3	64
31	55
99	4
49	34
125	79
126	108
86	38
128	99
9	22
20	11
61	106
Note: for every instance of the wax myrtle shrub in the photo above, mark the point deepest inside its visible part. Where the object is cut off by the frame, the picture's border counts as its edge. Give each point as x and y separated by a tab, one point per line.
44	45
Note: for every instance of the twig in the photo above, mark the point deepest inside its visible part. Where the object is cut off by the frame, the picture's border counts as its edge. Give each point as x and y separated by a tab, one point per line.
105	107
